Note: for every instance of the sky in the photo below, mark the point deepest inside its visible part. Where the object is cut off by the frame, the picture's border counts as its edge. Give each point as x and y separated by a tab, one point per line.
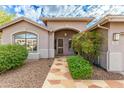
35	11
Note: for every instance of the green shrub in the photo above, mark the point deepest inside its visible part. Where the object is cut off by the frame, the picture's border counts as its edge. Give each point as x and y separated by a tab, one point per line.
12	56
79	67
88	44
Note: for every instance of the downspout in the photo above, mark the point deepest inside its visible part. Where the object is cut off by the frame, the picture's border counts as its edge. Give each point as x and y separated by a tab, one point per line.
108	61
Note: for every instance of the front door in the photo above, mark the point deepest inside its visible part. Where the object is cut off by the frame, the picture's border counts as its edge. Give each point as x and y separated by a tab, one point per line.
63	46
60	46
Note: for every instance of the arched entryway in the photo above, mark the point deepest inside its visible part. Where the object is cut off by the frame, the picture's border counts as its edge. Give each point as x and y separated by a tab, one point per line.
63	39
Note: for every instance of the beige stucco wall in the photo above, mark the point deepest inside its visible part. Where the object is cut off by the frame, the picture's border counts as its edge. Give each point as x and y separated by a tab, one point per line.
116	48
112	52
51	45
28	27
56	25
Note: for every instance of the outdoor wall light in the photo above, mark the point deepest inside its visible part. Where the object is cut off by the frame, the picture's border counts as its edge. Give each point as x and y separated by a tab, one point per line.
65	34
116	36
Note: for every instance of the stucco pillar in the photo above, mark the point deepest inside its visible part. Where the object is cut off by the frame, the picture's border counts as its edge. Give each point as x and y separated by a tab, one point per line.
51	45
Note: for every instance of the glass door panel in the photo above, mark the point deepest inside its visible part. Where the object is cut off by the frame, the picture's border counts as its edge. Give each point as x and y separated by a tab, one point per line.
60	46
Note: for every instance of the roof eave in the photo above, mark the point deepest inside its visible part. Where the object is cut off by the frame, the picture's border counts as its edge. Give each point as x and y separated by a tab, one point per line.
21	19
101	22
46	19
108	18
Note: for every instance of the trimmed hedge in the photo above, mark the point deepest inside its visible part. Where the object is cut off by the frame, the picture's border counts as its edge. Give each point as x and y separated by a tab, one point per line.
79	67
12	56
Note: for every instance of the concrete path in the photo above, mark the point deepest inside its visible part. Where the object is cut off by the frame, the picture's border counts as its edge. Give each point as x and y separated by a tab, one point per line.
59	77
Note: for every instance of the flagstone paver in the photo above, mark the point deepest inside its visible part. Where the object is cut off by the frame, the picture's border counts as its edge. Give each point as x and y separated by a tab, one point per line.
59	77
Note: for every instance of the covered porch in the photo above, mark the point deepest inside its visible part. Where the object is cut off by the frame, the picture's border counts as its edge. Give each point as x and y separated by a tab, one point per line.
63	40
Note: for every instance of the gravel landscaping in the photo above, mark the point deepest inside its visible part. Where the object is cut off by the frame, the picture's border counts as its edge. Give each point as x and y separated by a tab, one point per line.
30	75
101	74
33	75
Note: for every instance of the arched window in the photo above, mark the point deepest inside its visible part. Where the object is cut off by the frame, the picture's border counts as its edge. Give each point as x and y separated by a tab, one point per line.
29	40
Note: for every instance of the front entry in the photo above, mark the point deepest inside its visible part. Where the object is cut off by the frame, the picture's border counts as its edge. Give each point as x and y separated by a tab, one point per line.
63	40
63	46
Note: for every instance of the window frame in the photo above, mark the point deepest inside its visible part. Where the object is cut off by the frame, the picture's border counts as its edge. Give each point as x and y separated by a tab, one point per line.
26	39
69	46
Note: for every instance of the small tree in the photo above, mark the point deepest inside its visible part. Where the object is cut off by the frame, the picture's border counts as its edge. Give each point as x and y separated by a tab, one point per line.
5	17
76	43
87	44
97	41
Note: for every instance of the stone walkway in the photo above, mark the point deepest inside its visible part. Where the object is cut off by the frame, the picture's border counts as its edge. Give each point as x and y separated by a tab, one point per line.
59	77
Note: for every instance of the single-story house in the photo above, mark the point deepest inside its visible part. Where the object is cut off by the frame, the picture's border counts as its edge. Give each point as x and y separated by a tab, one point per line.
112	51
54	39
43	41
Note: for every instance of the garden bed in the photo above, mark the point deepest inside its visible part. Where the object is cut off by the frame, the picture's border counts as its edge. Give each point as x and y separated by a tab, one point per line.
80	68
101	74
30	75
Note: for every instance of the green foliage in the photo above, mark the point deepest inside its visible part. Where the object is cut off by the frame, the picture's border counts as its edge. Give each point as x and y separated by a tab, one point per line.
97	41
76	43
87	44
79	67
5	17
12	56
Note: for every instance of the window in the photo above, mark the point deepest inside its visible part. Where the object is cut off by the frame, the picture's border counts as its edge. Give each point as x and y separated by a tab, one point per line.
69	42
29	40
55	44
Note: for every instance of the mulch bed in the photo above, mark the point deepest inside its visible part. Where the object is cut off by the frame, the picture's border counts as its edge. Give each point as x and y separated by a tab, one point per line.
101	74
